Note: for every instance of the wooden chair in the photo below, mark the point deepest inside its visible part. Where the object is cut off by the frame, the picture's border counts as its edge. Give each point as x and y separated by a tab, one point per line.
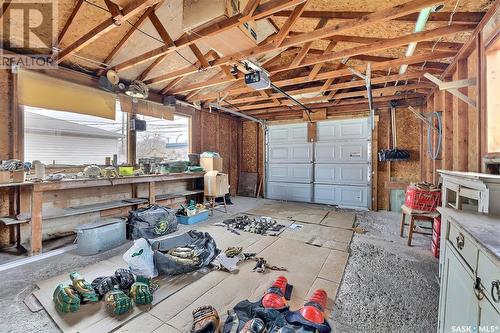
212	204
415	215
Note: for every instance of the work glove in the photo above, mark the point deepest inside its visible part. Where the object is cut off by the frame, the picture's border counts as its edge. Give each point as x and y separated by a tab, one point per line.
141	291
205	320
117	302
83	288
103	285
66	298
124	278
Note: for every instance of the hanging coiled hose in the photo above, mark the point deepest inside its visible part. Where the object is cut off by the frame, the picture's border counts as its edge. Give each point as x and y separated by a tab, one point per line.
434	153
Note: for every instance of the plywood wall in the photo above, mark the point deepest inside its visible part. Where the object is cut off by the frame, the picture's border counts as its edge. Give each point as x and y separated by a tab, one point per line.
253	150
5	142
461	124
408	138
219	133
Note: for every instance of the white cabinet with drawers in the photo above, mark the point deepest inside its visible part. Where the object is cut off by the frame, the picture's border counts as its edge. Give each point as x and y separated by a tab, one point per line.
469	271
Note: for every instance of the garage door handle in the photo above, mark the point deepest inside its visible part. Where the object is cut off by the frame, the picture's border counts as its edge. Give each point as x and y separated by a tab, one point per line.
355	155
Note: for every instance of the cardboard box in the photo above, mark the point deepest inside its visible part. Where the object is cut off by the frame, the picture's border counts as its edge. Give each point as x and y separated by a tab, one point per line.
211	163
216	184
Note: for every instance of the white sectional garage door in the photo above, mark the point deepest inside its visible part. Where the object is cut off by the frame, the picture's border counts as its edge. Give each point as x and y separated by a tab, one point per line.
334	170
289	163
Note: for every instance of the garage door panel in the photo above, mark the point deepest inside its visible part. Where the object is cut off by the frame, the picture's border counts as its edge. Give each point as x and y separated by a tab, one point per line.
297	173
343	195
283	134
341	174
339	152
294	153
342	130
289	191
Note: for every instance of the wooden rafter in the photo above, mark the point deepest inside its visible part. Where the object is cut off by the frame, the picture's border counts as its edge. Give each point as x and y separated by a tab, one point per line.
307	46
391	91
317	67
167	40
196	51
347	105
329	56
250	8
379	46
327	31
458	17
262	11
165	37
335	87
70	19
107	25
129	33
287	26
115	11
174	82
341	72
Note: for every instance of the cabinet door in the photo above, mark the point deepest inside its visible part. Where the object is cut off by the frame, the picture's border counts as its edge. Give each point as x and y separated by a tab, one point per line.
489	316
460	303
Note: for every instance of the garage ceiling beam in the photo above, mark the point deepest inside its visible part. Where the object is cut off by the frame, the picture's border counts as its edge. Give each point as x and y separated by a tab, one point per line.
379	46
104	27
458	17
329	56
287	26
340	72
262	11
334	87
70	19
391	90
302	51
383	15
359	50
115	11
129	33
346	105
167	40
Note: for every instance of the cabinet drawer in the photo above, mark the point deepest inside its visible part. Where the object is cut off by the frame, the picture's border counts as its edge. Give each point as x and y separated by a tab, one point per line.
464	246
489	273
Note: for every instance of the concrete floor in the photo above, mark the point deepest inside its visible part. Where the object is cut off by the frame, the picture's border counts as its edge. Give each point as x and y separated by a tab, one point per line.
387	286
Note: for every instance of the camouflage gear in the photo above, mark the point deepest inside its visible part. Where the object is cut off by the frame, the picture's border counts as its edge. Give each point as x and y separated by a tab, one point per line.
141	291
233	251
83	288
184	256
117	302
66	298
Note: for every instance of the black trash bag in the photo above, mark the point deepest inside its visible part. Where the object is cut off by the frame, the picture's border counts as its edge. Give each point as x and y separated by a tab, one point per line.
201	242
151	222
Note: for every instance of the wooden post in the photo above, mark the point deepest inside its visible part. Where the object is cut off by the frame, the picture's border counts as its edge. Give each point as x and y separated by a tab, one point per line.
36	223
461	134
447	120
152	193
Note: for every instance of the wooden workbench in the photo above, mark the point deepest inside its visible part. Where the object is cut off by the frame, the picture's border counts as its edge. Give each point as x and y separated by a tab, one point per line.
38	188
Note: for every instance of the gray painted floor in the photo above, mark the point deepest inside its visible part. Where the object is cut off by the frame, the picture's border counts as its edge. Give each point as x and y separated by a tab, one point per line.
387	286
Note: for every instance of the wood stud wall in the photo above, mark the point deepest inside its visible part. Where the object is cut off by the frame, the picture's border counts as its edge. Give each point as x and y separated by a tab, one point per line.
463	125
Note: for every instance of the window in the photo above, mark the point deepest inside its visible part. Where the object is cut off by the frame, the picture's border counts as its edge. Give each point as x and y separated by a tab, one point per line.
493	98
65	138
164	139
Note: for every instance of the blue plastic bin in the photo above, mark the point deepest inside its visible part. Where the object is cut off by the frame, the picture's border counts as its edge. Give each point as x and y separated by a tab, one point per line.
193	219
